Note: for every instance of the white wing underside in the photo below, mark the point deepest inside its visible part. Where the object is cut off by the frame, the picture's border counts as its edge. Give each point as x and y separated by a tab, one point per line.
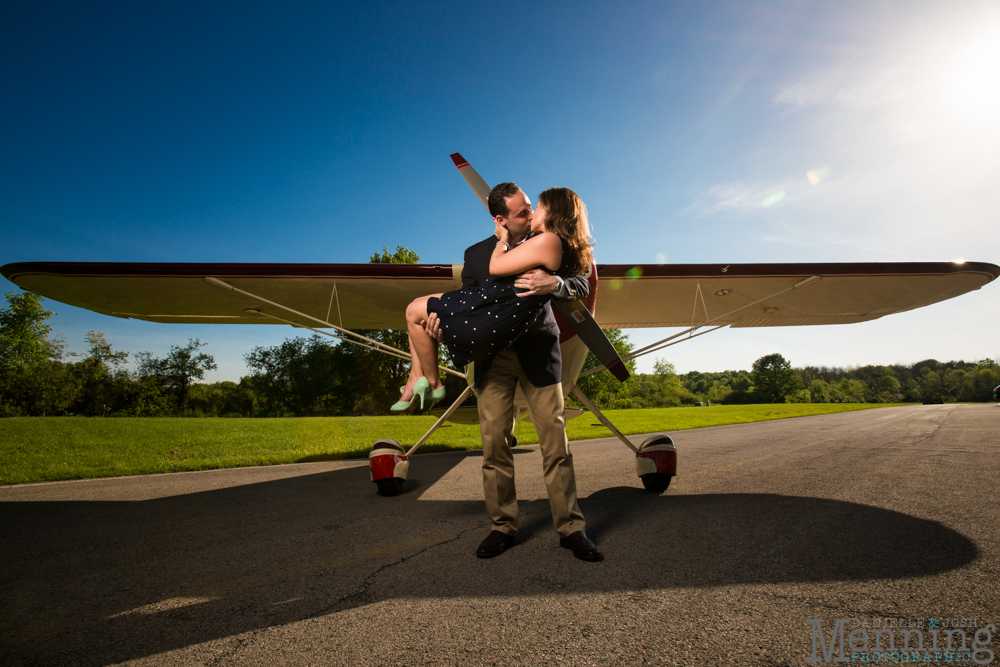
370	296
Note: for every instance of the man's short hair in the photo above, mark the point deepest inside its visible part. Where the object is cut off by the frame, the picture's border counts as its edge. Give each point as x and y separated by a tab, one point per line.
498	199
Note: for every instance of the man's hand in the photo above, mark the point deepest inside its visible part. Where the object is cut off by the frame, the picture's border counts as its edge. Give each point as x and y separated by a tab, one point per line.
433	326
536	281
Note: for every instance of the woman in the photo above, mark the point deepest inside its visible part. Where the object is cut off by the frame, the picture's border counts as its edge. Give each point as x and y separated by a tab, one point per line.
483	321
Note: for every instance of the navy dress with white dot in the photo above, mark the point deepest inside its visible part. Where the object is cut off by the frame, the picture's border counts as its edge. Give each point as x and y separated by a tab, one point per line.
485	320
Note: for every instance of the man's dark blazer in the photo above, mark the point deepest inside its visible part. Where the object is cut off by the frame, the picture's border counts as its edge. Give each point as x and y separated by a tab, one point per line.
538	349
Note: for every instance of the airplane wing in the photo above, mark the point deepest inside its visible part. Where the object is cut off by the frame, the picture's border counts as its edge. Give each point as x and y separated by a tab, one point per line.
351	296
374	296
760	295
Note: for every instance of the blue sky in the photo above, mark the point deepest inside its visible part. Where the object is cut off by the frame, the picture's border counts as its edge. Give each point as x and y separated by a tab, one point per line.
319	132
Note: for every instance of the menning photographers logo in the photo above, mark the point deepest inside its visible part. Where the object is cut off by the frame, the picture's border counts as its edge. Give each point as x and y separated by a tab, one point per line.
947	645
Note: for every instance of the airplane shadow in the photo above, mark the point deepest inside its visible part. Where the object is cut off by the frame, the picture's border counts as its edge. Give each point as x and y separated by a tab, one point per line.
98	583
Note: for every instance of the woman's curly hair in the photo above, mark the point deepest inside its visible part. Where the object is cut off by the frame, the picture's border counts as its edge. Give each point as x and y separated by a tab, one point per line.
567	217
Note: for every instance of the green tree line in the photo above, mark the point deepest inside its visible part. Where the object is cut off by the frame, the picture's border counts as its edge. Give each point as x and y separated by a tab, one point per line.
772	379
37	377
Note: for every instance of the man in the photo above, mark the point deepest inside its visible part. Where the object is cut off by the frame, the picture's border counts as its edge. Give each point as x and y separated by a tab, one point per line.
534	362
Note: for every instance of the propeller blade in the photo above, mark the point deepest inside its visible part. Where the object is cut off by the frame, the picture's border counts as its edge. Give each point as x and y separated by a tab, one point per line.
472	177
590	332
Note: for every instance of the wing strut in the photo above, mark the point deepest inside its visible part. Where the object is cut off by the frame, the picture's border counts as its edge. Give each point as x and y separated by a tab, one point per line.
441	420
582	397
659	345
329	309
698	296
391	351
381	347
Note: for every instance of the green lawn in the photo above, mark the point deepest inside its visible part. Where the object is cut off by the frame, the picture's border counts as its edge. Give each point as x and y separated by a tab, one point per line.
36	449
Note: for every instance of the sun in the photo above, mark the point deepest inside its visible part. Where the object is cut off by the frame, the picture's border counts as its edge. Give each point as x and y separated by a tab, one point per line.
972	79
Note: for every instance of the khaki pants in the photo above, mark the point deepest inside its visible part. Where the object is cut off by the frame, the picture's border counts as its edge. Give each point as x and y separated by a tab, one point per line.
496	417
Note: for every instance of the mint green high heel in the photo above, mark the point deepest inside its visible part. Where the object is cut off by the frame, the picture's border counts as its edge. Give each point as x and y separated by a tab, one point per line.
420	389
405	407
436	395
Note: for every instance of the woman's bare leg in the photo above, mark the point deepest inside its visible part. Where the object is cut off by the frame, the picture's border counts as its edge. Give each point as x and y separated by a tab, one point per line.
423	348
416	372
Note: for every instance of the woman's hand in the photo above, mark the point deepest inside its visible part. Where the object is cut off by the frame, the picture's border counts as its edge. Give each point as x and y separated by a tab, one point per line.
502	232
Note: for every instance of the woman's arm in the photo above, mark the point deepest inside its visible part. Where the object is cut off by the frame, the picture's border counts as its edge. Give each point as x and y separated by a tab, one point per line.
542	250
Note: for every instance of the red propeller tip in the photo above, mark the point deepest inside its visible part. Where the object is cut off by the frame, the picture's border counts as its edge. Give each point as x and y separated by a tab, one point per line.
459	160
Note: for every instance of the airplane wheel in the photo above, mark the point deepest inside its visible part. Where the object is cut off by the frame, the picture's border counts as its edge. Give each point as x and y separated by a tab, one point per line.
513	441
392	486
657	482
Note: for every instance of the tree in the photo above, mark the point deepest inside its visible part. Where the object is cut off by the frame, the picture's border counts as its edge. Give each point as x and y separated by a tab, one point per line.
774	378
985	377
182	366
300	374
99	373
819	391
667	387
51	388
221	399
881	386
401	256
31	376
378	376
847	390
24	333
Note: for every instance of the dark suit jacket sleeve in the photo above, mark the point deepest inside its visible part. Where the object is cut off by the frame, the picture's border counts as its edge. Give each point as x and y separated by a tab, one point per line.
580	284
468	279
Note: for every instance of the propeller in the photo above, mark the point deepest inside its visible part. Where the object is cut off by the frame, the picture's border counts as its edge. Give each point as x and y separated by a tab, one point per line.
472	177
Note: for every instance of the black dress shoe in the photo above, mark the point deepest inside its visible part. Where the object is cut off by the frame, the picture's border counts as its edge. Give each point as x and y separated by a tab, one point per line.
581	546
495	544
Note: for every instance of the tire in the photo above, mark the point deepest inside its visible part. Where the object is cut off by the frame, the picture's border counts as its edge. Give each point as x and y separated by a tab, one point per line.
513	441
657	482
392	486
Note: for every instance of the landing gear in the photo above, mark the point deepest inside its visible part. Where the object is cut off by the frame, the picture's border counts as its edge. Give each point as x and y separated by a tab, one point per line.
657	482
393	486
655	458
388	465
656	462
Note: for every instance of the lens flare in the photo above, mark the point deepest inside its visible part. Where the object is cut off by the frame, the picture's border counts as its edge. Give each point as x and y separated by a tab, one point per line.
661	258
773	199
818	175
615	283
634	272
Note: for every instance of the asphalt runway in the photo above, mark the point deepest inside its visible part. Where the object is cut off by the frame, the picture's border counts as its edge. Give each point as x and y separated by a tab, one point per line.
883	517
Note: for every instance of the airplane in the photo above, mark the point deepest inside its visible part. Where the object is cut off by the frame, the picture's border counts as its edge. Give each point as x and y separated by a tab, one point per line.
699	298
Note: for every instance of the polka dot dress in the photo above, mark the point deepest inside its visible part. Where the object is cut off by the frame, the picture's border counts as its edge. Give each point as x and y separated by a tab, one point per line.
482	321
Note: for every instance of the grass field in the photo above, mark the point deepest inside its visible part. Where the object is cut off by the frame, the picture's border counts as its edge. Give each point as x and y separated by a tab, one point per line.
37	449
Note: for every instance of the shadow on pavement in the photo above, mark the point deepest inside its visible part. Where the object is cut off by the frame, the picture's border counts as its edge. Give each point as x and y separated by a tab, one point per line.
97	583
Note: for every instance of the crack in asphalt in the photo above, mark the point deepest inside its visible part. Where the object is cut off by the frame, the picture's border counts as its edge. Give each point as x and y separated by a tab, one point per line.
358	595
